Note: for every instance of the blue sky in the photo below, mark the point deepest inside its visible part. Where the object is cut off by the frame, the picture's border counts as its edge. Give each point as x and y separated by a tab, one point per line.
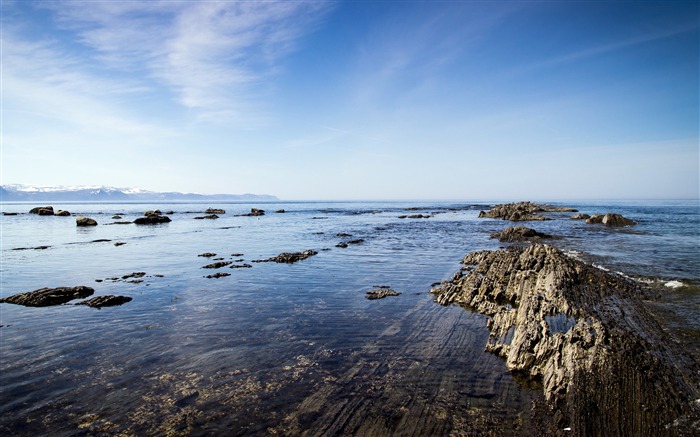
355	100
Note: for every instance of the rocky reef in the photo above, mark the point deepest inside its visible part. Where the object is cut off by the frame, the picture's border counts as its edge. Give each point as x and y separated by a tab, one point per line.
605	365
289	257
522	211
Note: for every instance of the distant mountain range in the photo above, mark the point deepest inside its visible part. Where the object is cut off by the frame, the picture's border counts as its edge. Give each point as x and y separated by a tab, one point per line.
21	193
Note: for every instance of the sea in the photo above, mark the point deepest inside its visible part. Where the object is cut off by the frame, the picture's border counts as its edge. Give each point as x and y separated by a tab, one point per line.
290	349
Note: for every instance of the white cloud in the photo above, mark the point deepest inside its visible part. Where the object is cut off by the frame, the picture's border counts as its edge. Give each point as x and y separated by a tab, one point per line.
213	56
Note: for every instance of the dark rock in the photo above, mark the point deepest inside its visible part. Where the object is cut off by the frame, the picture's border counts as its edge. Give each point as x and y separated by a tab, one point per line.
169	212
280	211
32	248
119	243
612	220
105	301
122	223
381	293
586	335
42	210
85	221
519	233
152	219
217	265
214	211
237	254
150	213
254	212
62	213
207	254
580	217
49	296
343	235
209	217
357	241
116	217
218	275
342	245
134	275
289	258
241	266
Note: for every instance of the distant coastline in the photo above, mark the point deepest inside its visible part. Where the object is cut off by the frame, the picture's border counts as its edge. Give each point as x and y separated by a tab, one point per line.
36	193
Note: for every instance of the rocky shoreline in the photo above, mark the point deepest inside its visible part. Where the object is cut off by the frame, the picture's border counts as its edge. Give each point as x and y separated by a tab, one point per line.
604	363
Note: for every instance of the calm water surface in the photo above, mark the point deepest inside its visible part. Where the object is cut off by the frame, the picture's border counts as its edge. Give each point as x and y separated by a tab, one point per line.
282	348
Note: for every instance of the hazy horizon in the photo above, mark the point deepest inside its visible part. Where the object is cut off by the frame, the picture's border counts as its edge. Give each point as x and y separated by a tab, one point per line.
315	100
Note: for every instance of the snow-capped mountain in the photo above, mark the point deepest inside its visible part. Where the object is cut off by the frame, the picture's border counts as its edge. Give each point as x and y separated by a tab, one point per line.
97	193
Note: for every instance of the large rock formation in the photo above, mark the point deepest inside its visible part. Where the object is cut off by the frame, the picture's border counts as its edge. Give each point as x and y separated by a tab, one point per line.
522	211
610	219
44	297
604	363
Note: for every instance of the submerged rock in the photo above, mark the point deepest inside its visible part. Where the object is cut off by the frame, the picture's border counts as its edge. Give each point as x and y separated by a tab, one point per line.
381	293
519	233
214	211
218	265
289	258
208	217
62	213
105	301
42	210
612	220
218	275
49	296
601	357
580	217
85	221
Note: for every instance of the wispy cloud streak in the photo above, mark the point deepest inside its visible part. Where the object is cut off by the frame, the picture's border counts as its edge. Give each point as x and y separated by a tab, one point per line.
214	57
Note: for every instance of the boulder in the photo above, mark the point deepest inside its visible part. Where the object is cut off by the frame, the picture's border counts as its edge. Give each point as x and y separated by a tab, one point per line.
85	221
611	220
105	301
49	296
154	212
42	210
519	233
254	212
580	217
214	211
521	211
62	213
152	219
280	211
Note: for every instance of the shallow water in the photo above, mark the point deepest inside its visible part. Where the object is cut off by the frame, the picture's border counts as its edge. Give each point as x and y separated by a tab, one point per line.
281	348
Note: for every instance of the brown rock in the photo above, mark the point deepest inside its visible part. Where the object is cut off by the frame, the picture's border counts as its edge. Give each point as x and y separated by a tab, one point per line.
85	221
289	258
105	301
42	210
519	233
612	220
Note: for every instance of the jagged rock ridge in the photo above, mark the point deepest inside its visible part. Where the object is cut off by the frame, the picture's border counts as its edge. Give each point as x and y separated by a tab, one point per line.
603	361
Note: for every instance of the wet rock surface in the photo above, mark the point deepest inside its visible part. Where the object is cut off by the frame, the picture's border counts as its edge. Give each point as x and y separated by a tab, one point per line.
42	210
519	233
381	293
207	217
105	301
62	213
152	219
49	296
214	211
610	219
85	221
605	365
254	212
523	211
289	257
218	265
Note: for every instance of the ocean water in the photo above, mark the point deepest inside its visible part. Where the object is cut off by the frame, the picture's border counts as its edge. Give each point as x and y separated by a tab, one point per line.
287	349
